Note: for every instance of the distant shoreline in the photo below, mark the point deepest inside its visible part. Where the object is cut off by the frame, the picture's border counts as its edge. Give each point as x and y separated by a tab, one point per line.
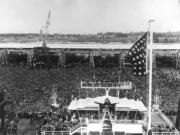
116	37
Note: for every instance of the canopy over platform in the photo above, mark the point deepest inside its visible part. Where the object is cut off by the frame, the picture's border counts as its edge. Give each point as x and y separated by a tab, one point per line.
130	104
83	104
122	104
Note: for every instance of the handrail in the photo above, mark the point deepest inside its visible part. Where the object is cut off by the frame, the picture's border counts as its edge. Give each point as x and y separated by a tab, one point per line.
80	128
75	127
165	118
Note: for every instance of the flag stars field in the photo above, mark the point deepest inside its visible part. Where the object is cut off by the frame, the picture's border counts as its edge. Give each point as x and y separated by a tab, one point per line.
137	55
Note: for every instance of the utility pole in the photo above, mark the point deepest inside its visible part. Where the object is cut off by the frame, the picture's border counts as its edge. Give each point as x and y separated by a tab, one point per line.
150	75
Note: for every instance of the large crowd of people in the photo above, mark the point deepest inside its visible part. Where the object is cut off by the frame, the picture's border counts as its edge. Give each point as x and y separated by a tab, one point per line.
30	91
163	128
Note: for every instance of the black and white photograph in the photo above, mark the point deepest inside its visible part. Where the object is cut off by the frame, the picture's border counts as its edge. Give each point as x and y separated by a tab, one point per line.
89	67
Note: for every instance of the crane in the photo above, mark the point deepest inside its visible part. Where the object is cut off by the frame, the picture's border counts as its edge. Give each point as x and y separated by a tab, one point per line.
41	54
44	31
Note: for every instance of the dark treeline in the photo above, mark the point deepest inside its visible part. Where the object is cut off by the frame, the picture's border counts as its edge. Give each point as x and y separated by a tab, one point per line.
167	37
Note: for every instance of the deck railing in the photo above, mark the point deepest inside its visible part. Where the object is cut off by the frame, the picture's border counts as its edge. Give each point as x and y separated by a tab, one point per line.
104	85
55	133
69	132
163	133
118	121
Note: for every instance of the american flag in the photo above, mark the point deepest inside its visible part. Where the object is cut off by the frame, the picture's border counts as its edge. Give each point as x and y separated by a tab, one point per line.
137	55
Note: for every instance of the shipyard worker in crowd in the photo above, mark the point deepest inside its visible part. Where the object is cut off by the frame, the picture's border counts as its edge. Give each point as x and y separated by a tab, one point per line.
2	112
3	103
2	93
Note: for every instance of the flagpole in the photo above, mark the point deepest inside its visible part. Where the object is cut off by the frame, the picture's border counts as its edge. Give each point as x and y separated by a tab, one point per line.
150	74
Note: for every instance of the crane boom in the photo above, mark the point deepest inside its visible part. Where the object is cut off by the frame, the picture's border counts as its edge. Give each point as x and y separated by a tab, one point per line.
45	33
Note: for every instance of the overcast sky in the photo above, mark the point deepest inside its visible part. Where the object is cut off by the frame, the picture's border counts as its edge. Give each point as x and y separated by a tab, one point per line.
89	16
